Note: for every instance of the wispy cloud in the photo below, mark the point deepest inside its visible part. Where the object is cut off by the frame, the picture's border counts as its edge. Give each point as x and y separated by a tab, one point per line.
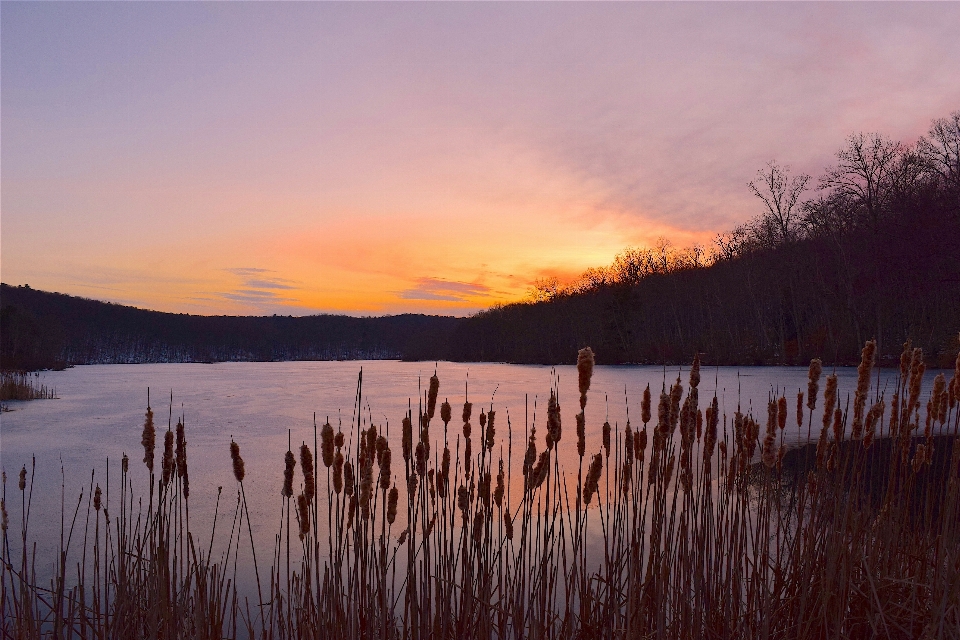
258	290
447	290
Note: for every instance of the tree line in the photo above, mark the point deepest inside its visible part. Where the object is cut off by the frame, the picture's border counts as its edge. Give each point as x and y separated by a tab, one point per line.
871	249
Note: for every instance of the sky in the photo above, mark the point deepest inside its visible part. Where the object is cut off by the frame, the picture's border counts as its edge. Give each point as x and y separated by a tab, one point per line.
381	158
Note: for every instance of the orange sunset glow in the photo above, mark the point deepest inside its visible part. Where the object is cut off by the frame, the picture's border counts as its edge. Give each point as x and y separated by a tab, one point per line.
379	158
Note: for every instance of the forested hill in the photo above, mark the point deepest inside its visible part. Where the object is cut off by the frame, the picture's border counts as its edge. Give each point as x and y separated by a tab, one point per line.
47	330
873	253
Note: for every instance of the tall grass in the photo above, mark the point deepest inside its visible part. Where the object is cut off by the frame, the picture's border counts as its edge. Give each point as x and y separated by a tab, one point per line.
19	385
690	524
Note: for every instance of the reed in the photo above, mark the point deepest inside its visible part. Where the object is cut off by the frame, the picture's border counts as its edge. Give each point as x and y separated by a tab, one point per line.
719	532
20	385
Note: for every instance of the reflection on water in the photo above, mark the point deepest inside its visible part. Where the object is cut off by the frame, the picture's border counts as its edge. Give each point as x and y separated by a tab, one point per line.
99	417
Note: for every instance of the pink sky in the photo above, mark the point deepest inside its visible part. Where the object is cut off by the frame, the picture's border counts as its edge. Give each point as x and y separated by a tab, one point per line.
374	158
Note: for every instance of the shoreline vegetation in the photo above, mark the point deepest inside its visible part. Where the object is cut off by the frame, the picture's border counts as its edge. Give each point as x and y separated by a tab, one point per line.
867	250
702	525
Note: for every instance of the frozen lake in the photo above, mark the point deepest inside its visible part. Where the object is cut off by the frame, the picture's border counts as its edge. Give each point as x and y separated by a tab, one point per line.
99	417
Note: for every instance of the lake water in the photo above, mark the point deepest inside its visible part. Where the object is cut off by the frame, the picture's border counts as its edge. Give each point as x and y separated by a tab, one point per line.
99	417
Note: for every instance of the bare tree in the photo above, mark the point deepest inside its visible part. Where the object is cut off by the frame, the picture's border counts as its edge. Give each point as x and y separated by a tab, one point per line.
866	170
780	193
941	151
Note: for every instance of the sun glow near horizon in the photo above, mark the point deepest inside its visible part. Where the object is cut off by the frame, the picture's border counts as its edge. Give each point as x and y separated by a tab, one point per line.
379	159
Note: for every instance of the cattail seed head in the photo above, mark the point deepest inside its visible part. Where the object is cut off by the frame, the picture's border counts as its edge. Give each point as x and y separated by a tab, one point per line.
392	499
327	445
381	449
169	463
554	429
491	430
306	466
508	525
467	411
412	482
421	459
303	513
338	439
498	492
366	488
238	470
407	438
585	362
695	372
337	472
463	500
289	464
385	469
813	382
96	499
829	399
782	413
349	479
148	439
581	434
590	485
645	406
432	395
799	409
445	413
4	521
628	444
23	478
606	438
125	464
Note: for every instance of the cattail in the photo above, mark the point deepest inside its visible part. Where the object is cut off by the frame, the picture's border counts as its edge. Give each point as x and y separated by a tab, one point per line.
306	466
385	461
289	463
863	387
832	460
498	492
799	409
581	434
585	363
4	521
445	463
432	395
813	382
181	456
421	459
337	471
483	419
403	536
366	488
590	485
484	488
773	416
554	429
125	464
478	521
392	499
467	411
530	456
916	380
349	479
906	360
491	431
303	513
338	439
645	406
829	399
381	449
238	470
23	478
640	444
169	463
938	399
782	413
676	393
372	443
445	413
837	425
467	456
628	444
148	440
768	455
606	438
508	525
407	438
326	445
96	499
539	473
695	372
699	424
412	482
463	500
663	413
